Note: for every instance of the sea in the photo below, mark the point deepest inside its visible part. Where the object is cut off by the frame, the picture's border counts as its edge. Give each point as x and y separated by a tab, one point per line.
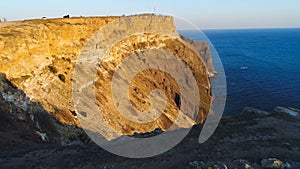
262	66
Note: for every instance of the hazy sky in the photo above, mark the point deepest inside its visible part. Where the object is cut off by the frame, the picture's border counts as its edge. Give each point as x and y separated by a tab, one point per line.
203	13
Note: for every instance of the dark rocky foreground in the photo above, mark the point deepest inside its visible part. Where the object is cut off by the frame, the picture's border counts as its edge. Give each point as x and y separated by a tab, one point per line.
239	142
31	138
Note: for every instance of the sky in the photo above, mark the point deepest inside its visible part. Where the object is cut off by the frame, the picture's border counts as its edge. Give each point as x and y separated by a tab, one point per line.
204	14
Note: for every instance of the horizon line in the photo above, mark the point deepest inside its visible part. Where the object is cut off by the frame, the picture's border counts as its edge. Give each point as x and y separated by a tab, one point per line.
239	28
179	29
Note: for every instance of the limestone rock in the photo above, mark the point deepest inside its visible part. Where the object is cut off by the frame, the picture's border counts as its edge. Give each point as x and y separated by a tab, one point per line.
38	57
24	121
242	164
250	111
220	166
196	164
272	163
290	111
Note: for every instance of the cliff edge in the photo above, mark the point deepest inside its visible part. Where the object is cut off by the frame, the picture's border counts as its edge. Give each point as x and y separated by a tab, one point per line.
38	57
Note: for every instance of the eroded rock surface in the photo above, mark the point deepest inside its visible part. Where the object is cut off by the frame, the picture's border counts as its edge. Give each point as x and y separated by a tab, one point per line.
39	56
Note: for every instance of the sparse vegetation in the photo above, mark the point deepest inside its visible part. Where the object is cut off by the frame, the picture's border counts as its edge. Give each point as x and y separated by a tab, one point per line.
7	34
52	69
20	79
67	59
62	77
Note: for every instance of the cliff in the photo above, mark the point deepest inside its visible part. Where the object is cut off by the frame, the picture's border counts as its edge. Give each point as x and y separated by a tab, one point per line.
38	57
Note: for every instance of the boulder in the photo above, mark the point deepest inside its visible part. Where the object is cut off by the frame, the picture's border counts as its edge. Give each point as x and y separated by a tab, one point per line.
196	164
249	111
290	111
272	163
66	16
242	164
212	165
220	165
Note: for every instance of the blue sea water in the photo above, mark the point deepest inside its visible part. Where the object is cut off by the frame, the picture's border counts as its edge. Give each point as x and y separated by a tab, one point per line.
262	66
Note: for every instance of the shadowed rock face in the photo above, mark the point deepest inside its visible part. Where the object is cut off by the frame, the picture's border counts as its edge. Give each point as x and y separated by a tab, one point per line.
38	57
26	123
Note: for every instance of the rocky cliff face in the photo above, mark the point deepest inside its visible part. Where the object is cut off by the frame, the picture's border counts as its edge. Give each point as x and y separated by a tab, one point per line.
38	57
26	123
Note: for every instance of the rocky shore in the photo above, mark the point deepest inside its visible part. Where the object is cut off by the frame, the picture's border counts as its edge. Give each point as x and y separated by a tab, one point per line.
274	137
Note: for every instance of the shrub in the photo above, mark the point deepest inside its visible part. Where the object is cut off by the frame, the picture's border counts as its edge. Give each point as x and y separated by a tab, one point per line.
62	77
52	69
